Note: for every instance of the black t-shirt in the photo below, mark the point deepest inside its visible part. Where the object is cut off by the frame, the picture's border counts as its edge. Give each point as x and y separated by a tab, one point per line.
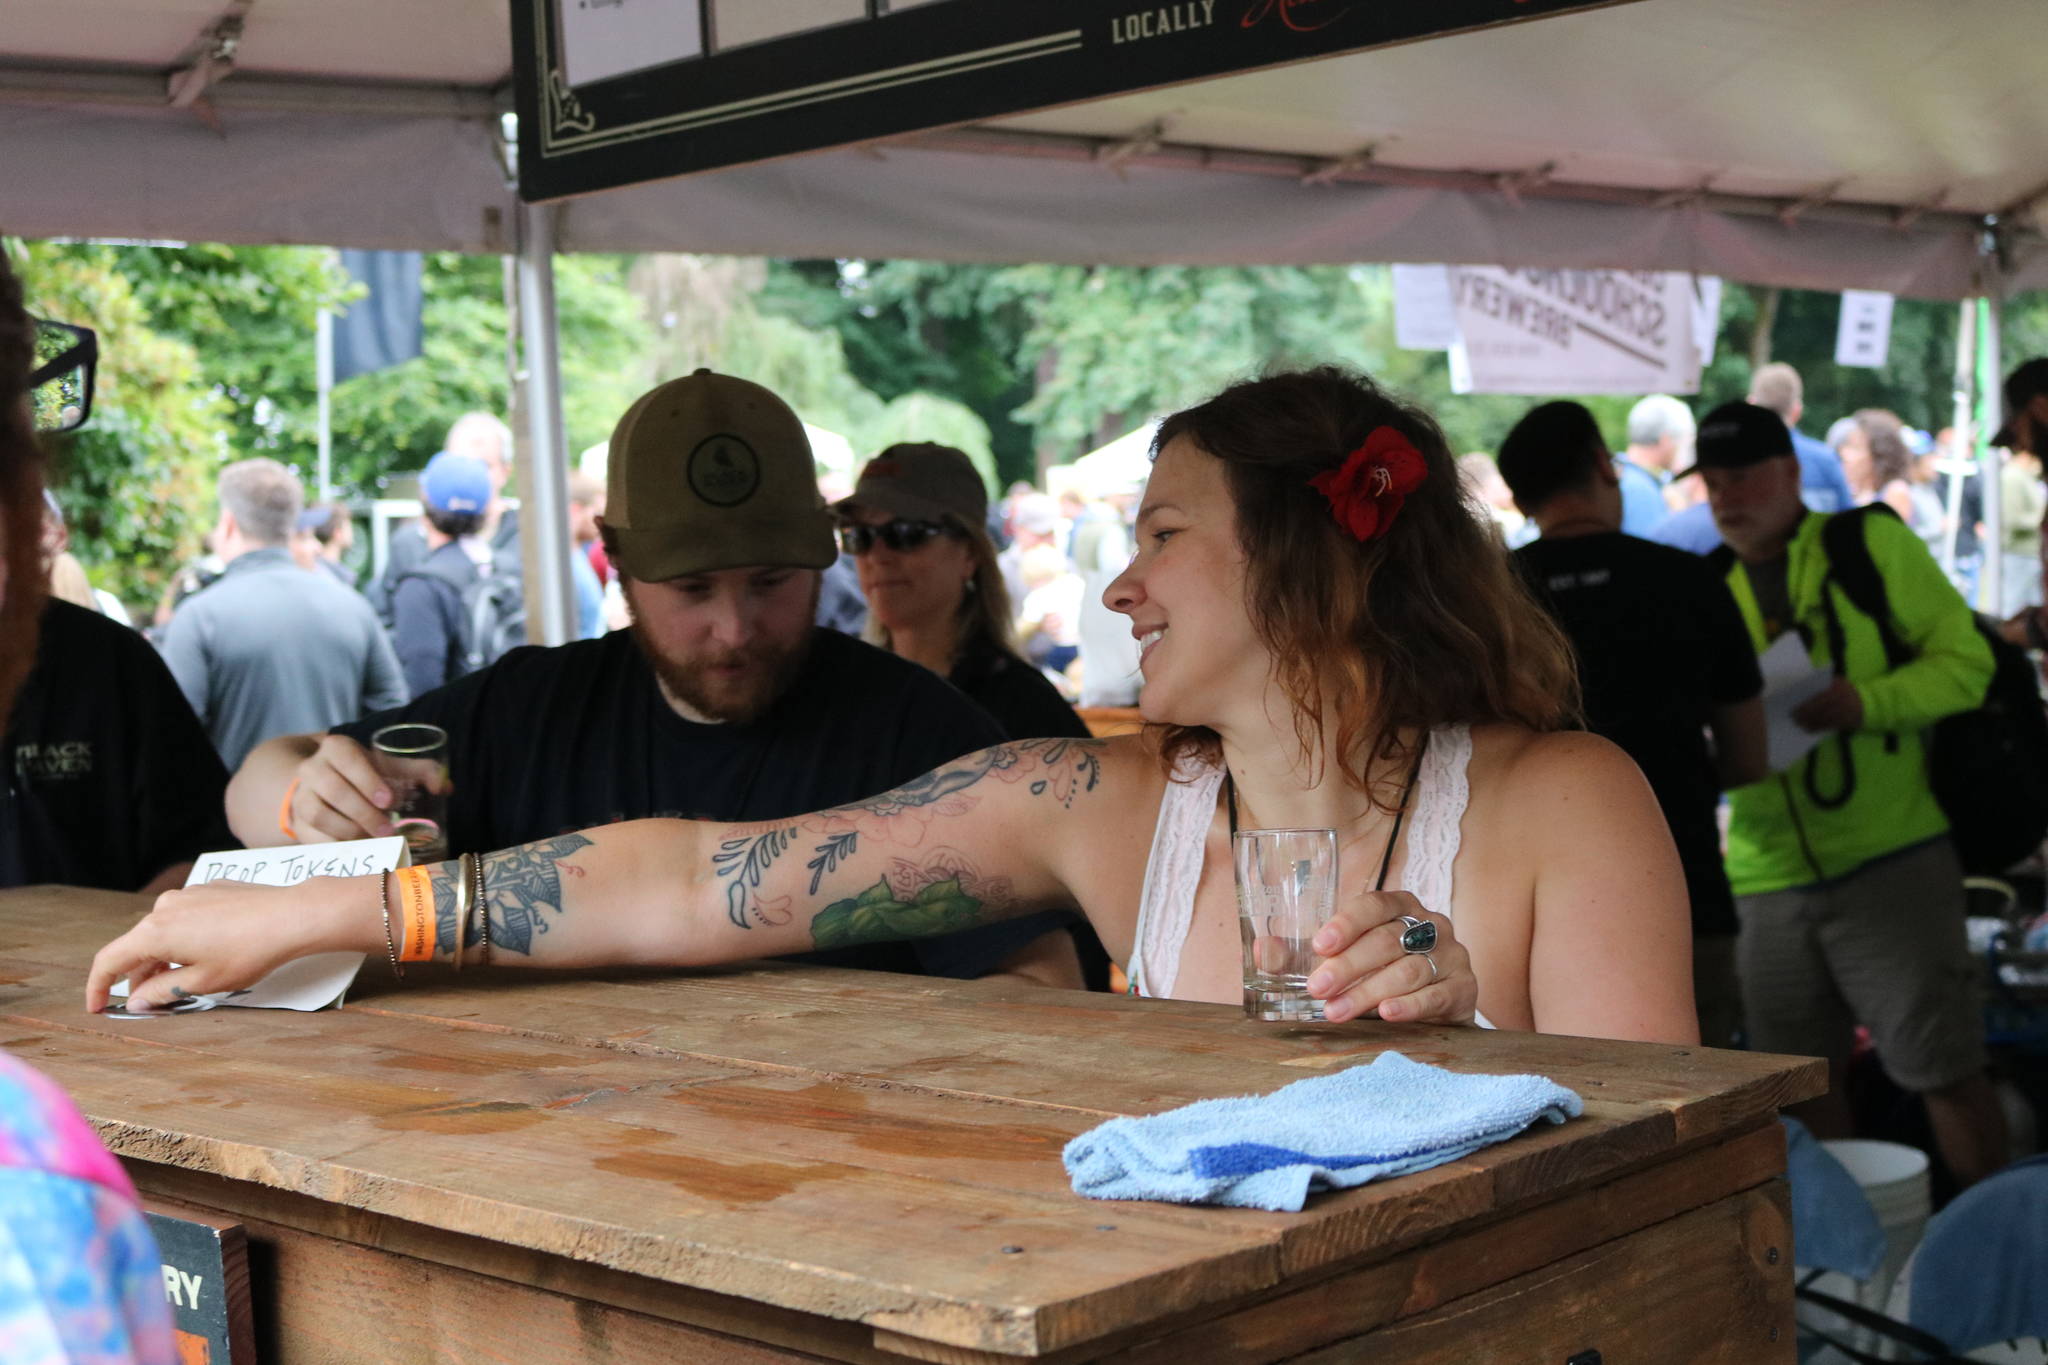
110	778
1023	701
1660	643
551	740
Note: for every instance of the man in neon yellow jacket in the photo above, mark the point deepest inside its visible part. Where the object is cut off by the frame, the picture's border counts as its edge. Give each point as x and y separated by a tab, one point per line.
1847	887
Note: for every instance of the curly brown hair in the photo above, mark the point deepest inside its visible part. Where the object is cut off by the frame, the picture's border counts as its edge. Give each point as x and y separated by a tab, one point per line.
21	493
1426	625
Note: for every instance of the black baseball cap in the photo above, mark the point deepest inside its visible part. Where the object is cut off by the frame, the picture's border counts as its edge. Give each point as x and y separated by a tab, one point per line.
1737	435
2022	387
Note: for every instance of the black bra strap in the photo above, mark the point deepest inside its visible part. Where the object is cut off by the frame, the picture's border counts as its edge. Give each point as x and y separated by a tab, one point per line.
1400	813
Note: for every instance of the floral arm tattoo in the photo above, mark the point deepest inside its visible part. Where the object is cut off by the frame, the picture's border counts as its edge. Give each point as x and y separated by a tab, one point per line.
915	897
908	889
519	885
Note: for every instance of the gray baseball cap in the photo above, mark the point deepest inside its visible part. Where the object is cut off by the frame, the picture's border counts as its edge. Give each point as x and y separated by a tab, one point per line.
923	481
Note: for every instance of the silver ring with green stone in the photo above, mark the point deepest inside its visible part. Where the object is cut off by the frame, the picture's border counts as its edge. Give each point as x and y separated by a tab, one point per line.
1418	937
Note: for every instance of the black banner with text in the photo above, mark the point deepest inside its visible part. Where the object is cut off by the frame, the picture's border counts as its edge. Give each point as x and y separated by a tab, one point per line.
614	92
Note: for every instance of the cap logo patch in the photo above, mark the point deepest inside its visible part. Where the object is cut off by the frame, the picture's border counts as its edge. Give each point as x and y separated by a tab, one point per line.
724	470
882	469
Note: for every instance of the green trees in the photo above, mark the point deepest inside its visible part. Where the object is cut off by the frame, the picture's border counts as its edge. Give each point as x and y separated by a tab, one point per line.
136	482
1058	359
208	357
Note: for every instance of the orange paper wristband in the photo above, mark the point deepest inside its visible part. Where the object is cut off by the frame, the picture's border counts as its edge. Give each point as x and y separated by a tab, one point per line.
284	812
416	904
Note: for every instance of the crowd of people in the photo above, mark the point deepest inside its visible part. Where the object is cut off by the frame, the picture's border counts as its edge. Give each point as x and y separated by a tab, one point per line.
1525	692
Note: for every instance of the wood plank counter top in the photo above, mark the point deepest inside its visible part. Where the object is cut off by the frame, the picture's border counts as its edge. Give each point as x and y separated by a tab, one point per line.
777	1161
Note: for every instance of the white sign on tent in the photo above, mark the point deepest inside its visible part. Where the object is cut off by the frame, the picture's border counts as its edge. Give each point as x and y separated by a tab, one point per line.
1424	318
1863	337
1575	331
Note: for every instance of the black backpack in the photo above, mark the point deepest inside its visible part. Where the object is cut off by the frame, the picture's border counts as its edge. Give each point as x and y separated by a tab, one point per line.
1989	766
493	614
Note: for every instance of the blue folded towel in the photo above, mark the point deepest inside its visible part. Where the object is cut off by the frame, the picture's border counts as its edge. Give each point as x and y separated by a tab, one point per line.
1331	1132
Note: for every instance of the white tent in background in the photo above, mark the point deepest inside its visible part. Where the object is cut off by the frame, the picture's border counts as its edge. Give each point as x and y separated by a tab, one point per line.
1123	464
830	452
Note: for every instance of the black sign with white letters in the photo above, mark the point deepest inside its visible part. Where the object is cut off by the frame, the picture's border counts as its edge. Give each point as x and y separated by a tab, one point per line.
206	1283
614	92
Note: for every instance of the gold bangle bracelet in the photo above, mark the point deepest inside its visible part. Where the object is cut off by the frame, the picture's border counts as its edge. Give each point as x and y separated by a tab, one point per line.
463	893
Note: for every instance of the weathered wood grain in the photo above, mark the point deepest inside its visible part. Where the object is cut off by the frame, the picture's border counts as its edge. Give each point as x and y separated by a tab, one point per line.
846	1146
1699	1288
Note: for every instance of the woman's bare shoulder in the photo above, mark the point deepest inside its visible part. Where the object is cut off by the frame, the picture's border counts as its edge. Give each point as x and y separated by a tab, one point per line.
1519	764
1132	764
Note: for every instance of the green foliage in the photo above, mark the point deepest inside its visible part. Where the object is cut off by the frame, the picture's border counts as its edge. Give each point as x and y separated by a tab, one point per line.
207	357
393	421
249	314
136	481
922	327
876	915
927	417
1917	380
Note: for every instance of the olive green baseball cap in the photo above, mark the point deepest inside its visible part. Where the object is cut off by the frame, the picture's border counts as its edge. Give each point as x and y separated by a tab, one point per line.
712	472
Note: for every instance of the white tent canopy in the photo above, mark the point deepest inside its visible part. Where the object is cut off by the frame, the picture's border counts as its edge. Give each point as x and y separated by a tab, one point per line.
1826	144
1119	466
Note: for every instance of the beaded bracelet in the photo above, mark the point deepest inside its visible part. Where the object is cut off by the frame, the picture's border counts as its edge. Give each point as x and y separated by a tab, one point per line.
384	904
483	911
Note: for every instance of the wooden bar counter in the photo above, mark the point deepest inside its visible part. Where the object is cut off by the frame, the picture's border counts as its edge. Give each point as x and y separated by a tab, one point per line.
792	1163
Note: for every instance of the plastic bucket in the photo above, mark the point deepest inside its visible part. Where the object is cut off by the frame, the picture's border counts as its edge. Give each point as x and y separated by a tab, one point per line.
1894	1178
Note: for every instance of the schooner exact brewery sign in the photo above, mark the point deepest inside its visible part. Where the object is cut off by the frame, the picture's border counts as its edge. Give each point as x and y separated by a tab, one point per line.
614	92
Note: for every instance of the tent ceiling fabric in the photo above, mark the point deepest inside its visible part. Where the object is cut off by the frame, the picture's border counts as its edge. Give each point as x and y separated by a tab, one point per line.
1897	100
372	124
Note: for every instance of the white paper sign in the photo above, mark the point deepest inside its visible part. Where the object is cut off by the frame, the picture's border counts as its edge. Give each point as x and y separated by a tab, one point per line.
1423	317
1706	316
1863	336
1577	331
606	38
308	983
1790	681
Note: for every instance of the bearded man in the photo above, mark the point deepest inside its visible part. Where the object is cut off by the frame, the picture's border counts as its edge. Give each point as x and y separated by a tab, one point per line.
724	702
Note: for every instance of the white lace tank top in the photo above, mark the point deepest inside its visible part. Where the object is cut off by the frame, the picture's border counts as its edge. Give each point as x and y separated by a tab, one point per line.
1166	908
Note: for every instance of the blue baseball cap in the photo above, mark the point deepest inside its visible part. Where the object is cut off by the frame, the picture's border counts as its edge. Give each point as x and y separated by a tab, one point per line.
455	483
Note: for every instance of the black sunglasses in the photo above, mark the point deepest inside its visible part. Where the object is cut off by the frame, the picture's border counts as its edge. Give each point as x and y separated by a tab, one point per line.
61	382
899	535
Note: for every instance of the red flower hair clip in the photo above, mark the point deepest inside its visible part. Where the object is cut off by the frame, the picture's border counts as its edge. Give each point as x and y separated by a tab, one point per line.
1367	490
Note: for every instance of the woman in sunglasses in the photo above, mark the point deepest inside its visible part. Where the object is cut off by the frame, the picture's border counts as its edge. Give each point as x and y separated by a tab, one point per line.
1332	639
915	527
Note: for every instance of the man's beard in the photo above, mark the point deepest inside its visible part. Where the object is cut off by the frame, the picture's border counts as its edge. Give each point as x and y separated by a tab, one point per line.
691	681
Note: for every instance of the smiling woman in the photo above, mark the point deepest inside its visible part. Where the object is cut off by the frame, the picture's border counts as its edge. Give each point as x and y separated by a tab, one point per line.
1395	687
916	527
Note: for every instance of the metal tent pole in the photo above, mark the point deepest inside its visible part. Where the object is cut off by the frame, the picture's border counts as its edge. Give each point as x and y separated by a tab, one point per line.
544	481
1956	468
1990	477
